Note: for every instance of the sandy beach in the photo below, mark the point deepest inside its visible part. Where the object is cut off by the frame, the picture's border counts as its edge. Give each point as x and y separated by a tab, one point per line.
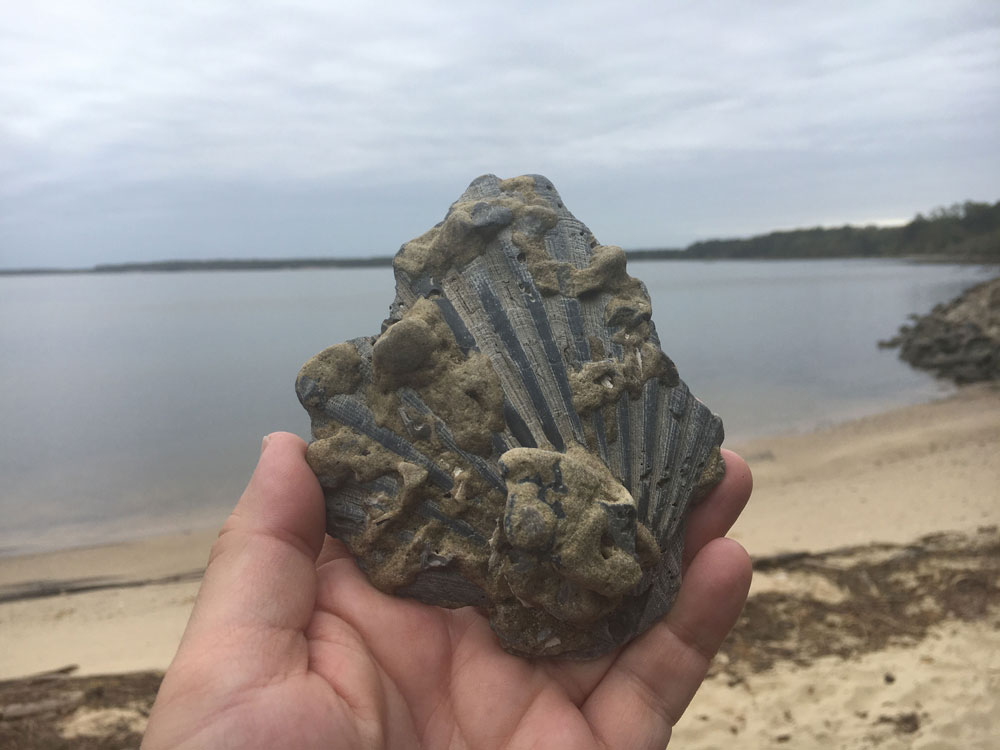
874	617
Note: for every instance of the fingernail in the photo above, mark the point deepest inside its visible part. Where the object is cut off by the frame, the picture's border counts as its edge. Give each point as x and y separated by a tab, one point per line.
264	442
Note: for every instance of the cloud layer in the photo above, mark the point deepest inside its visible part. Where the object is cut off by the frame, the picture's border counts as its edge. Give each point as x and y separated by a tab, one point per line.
137	131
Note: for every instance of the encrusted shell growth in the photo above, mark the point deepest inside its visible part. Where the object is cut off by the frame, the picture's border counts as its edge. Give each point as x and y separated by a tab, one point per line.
515	439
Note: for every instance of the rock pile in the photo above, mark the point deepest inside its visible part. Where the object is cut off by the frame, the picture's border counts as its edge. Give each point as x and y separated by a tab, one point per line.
959	339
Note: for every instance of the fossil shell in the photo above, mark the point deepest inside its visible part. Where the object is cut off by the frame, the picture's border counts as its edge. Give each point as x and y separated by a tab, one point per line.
515	439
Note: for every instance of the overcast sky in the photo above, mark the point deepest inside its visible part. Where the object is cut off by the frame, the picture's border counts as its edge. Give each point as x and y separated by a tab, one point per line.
197	129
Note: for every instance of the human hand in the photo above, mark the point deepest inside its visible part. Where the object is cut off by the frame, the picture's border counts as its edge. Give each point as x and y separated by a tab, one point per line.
290	646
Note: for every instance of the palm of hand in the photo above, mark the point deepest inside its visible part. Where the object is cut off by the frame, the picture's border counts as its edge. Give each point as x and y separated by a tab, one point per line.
285	649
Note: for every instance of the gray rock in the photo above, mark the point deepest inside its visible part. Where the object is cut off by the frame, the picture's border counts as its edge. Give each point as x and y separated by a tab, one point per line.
958	340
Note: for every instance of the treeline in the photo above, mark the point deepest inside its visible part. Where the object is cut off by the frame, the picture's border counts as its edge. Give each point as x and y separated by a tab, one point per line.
222	264
964	231
252	264
967	231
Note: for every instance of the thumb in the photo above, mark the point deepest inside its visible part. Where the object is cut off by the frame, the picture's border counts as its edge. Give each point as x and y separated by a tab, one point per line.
261	574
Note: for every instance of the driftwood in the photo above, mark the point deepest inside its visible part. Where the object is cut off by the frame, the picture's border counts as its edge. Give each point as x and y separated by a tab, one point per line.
56	704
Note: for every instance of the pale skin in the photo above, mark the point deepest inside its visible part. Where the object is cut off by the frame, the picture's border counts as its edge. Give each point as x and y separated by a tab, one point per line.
289	646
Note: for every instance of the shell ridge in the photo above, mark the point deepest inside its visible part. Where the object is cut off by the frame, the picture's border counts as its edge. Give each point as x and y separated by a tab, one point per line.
695	458
677	403
638	407
427	587
574	320
600	436
625	441
590	314
547	336
571	248
691	460
502	324
430	509
348	515
703	441
464	298
661	476
465	339
665	582
617	448
412	398
351	413
578	335
518	427
503	442
651	425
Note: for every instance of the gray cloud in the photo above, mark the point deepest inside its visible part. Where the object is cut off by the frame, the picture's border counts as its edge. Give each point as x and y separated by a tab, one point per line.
167	130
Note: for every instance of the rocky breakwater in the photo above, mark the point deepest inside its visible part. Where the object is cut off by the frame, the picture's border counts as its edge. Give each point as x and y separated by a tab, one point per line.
959	340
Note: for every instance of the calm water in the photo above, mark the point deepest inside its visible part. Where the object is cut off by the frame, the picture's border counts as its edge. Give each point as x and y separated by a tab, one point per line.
133	404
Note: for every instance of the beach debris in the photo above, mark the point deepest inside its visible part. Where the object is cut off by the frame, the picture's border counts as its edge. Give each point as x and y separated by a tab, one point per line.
514	439
55	704
108	711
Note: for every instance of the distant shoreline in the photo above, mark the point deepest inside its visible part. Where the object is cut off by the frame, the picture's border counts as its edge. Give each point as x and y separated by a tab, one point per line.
219	264
285	264
965	233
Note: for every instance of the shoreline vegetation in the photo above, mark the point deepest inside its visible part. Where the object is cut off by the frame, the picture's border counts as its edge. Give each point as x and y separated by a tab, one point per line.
962	233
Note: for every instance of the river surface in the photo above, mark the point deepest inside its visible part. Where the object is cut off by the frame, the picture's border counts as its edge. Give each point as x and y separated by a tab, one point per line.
133	404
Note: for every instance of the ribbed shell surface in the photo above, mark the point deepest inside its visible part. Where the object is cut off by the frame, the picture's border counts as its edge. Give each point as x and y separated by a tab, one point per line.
512	328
